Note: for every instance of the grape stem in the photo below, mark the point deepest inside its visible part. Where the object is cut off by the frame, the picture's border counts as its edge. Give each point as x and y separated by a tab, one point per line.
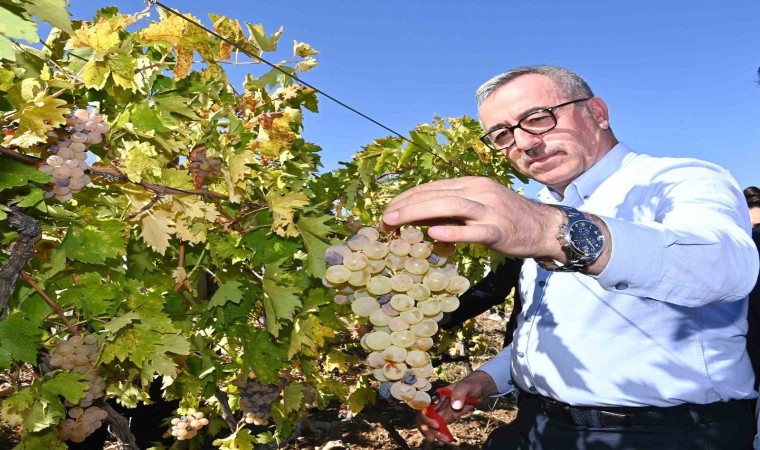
224	405
58	310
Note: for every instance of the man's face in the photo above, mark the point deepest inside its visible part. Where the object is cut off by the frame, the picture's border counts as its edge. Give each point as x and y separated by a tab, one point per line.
559	156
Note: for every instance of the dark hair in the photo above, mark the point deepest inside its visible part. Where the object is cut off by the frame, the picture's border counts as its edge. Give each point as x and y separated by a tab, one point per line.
752	194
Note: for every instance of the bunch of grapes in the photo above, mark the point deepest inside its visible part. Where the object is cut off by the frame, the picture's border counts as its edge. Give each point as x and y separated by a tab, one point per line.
256	398
402	287
203	167
81	423
67	160
186	427
79	354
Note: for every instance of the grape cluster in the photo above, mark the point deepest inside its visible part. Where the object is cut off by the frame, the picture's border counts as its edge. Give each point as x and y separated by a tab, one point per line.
402	287
256	398
203	167
67	160
81	423
186	427
79	354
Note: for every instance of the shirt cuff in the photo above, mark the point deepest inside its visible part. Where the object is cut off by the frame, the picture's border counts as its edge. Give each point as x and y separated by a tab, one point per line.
499	368
636	258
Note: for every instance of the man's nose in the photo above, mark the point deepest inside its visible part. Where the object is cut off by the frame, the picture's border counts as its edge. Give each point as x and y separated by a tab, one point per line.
525	141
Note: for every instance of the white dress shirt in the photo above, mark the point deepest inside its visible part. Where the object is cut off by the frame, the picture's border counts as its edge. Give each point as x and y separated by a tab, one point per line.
665	322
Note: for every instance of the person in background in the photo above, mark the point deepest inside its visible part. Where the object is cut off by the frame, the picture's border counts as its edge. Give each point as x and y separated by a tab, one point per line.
752	194
634	284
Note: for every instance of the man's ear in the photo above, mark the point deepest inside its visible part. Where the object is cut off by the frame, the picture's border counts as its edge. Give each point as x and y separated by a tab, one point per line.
599	112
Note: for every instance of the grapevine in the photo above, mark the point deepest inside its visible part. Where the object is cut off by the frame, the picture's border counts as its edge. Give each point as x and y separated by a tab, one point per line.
66	162
402	287
195	253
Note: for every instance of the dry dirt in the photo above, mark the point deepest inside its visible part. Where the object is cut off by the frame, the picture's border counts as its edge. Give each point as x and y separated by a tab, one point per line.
388	426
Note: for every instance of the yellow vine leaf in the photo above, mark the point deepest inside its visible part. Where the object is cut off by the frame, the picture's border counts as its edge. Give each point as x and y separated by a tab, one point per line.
157	229
102	36
184	38
236	173
37	117
138	160
276	137
303	49
283	207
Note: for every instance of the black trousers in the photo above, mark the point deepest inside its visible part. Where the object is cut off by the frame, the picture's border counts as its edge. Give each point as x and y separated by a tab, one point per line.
532	429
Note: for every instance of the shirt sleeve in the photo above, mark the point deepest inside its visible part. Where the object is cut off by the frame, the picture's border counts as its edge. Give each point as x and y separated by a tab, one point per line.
499	368
696	251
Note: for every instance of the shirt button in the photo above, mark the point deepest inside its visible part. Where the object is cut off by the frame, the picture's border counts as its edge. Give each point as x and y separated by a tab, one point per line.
533	389
585	197
511	383
542	283
521	354
621	286
528	318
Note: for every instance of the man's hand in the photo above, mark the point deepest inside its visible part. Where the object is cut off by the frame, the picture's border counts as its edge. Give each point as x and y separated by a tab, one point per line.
478	385
483	211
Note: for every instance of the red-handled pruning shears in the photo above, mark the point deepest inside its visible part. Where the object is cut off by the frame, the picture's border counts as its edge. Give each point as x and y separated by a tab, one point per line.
438	402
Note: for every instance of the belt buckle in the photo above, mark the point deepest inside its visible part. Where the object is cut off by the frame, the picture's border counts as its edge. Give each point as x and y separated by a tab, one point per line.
612	419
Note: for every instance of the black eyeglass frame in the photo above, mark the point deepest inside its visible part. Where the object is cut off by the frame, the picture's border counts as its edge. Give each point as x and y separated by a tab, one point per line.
511	128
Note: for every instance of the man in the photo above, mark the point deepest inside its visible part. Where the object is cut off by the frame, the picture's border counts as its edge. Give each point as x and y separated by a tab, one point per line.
632	330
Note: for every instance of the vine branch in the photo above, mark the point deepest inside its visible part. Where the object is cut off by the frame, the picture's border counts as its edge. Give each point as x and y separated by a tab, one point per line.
58	310
112	173
29	231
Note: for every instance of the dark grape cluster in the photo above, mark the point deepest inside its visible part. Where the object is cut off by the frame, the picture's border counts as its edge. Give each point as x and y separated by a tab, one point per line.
203	167
67	153
256	398
79	354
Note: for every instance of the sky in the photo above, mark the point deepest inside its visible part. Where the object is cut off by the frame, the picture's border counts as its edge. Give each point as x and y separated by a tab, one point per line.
680	78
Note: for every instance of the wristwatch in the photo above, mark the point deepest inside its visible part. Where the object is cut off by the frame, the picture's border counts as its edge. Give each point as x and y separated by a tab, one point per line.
582	241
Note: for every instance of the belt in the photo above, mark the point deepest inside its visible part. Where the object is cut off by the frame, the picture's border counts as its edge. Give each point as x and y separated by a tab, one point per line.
684	414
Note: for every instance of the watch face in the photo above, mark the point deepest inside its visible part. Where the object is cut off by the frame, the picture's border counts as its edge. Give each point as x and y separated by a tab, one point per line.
586	237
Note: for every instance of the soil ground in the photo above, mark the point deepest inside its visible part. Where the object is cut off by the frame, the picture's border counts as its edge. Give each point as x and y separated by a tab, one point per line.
387	425
390	426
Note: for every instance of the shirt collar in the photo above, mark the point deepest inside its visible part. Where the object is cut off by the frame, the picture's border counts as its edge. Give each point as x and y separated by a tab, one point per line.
582	187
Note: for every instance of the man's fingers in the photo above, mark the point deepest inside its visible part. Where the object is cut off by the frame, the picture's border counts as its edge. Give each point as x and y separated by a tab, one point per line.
485	234
441	208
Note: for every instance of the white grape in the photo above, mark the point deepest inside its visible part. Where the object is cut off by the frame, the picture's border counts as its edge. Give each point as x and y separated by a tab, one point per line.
457	284
435	281
357	242
420	401
417	266
394	371
365	306
405	338
417	358
402	302
412	235
394	262
337	274
355	261
412	316
402	391
394	353
421	250
401	282
379	318
419	292
430	307
399	247
54	160
359	278
425	328
423	343
449	303
379	285
375	250
378	340
398	324
370	232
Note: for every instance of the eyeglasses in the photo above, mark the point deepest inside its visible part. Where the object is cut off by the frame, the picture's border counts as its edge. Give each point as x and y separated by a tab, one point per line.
535	123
